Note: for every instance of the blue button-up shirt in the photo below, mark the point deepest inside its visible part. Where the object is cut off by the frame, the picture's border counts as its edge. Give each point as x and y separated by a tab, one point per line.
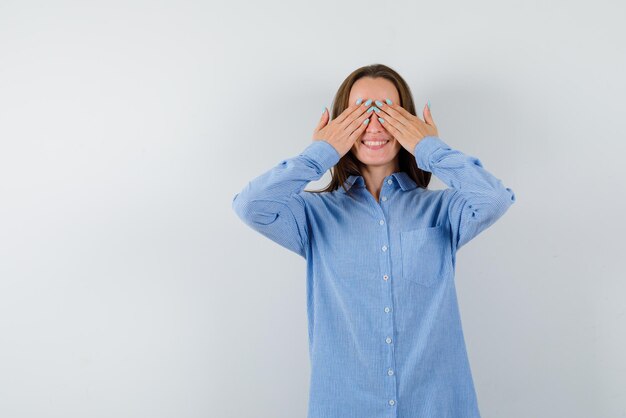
384	329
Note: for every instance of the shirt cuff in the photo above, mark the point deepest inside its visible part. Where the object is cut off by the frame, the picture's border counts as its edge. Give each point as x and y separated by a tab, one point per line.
324	154
425	148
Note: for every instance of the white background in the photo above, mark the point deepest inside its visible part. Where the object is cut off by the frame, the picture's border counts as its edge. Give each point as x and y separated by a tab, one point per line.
128	286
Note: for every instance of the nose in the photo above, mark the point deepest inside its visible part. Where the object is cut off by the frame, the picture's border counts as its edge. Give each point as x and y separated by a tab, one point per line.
374	125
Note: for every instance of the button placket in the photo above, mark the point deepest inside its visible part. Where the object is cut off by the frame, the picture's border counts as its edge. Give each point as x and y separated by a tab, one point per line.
387	298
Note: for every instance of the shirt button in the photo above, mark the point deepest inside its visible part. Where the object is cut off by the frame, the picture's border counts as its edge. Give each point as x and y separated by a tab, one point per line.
384	248
384	198
385	277
388	339
392	402
389	181
387	309
382	221
390	372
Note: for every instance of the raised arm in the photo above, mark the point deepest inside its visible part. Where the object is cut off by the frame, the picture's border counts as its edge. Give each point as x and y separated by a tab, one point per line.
476	198
271	203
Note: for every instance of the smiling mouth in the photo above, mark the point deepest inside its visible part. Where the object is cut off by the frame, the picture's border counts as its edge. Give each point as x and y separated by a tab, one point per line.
375	145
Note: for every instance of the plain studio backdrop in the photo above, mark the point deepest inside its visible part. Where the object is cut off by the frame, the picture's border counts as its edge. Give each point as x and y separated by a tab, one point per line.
128	286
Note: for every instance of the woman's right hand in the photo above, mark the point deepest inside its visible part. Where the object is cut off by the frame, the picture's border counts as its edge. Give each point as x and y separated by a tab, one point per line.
343	131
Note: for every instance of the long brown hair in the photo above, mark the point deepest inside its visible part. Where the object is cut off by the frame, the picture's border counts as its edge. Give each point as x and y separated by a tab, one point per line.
349	164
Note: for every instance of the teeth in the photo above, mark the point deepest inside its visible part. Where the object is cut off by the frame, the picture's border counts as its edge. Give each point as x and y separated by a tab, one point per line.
374	143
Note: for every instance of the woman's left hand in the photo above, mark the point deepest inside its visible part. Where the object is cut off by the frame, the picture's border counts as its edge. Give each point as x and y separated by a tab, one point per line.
406	128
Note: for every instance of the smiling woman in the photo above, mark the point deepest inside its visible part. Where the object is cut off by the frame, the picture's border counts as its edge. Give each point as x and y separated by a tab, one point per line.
384	327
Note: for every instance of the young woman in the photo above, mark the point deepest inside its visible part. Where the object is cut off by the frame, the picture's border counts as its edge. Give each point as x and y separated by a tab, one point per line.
385	335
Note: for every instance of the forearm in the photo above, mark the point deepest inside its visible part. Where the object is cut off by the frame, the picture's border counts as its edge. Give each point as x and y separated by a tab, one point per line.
271	203
290	176
476	198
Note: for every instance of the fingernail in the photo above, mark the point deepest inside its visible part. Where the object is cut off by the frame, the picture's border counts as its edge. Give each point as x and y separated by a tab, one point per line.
369	102
381	120
359	100
388	101
366	121
429	105
379	103
324	110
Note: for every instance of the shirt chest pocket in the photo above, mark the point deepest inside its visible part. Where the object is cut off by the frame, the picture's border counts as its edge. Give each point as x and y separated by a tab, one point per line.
426	259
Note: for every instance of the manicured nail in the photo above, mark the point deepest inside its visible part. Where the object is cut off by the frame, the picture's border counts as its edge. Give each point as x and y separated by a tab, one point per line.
324	111
369	102
381	120
388	101
370	109
366	121
376	109
429	105
379	103
359	101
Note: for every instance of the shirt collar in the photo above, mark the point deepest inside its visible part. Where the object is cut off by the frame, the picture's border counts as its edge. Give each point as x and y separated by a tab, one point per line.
402	178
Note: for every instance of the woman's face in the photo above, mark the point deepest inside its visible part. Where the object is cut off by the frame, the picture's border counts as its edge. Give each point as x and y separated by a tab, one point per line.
376	89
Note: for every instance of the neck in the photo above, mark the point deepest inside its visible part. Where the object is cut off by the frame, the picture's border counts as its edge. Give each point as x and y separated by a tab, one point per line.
373	175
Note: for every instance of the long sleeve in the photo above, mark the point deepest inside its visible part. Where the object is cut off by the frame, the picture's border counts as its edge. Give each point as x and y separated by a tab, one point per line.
271	203
476	198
